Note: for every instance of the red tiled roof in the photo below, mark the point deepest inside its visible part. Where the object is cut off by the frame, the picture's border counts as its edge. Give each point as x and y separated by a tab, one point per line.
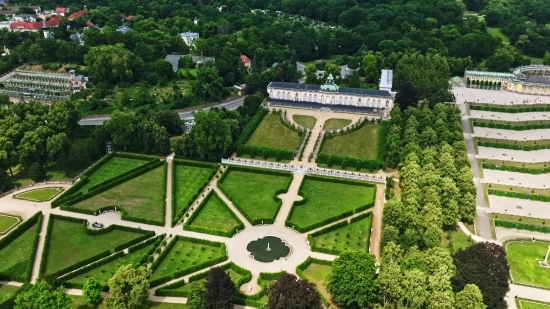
245	59
25	25
90	24
61	10
129	17
78	14
54	21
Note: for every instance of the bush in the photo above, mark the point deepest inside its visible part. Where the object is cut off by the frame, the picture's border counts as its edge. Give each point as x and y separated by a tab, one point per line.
37	172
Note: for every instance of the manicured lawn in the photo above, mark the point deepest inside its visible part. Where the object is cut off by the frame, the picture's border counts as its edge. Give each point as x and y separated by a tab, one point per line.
272	133
518	219
498	33
141	197
305	121
70	244
516	164
105	272
112	168
15	257
253	192
6	222
459	240
40	195
318	274
354	236
336	123
80	303
545	192
523	258
216	215
359	144
533	304
511	142
6	291
329	199
186	254
189	179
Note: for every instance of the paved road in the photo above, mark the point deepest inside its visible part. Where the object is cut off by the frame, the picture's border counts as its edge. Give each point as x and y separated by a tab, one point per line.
484	225
97	121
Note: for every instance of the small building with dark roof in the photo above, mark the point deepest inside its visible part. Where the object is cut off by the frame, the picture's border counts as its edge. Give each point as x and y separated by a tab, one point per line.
332	94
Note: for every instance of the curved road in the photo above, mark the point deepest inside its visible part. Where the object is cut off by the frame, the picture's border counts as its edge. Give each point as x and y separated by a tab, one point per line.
99	120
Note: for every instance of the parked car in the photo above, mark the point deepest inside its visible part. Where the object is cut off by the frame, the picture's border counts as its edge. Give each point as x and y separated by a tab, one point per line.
97	225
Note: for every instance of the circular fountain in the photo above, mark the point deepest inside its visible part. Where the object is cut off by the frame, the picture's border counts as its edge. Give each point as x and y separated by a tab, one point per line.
268	249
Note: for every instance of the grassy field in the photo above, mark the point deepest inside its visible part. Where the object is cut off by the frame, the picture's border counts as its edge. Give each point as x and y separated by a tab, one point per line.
458	239
545	192
186	254
272	133
336	123
15	257
354	236
41	195
328	199
105	272
189	180
254	192
523	257
330	59
112	168
69	244
496	32
216	215
318	274
359	144
532	304
6	291
141	197
6	222
80	303
305	121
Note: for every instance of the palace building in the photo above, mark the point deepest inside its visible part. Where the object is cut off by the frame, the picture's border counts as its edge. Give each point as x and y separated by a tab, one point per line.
332	96
530	79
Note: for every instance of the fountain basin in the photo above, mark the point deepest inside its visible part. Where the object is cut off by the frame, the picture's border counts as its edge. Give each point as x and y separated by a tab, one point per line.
268	249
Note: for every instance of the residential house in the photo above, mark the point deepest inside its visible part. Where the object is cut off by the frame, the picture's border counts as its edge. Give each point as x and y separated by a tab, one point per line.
189	37
61	11
246	61
124	29
78	82
78	14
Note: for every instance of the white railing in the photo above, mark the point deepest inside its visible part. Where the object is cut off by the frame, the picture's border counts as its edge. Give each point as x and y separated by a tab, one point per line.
316	171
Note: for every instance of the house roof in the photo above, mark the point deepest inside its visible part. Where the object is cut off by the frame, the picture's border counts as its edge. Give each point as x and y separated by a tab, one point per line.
90	24
25	25
61	10
245	59
54	21
129	17
386	80
78	14
345	90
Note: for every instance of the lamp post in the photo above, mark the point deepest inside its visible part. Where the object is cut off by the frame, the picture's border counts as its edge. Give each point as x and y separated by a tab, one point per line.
546	257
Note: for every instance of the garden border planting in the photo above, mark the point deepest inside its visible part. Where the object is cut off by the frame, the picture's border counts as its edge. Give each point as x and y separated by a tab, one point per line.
22	228
59	191
196	212
536	125
303	229
279	202
532	145
252	300
524	196
523	108
215	168
521	226
525	170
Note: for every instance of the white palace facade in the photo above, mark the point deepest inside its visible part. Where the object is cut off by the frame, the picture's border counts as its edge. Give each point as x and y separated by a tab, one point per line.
331	94
530	79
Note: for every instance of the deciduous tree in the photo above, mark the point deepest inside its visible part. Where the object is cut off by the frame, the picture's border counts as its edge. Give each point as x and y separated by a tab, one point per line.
291	292
92	292
43	296
470	298
129	288
219	290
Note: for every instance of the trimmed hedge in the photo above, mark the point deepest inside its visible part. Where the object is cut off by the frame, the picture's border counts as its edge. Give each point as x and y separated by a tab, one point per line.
177	218
534	146
71	192
251	126
252	300
300	268
199	229
521	127
87	268
522	226
260	171
524	196
115	178
381	150
16	232
501	109
146	235
389	187
525	170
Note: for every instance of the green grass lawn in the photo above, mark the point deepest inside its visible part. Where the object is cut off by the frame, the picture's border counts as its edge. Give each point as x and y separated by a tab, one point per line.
272	133
253	192
186	254
458	239
70	244
110	169
6	222
523	258
305	121
354	236
40	195
174	141
141	197
318	274
80	303
359	144
329	199
105	272
336	123
532	304
496	32
15	257
216	215
6	291
189	179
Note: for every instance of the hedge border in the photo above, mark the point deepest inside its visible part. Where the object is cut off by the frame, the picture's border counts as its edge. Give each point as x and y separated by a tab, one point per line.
252	300
21	228
303	229
19	220
59	191
522	226
305	264
501	109
525	170
521	127
189	227
145	235
534	146
247	169
519	195
177	217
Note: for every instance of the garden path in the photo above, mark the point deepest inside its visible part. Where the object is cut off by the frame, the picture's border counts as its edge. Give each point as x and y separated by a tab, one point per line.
168	200
289	198
230	205
376	225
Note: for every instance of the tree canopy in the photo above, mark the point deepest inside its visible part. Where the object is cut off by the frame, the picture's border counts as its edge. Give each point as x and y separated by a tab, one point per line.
291	292
43	296
129	288
220	291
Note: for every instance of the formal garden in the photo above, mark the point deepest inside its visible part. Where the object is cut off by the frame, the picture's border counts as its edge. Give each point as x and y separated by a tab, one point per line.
523	257
40	195
305	121
8	222
336	124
